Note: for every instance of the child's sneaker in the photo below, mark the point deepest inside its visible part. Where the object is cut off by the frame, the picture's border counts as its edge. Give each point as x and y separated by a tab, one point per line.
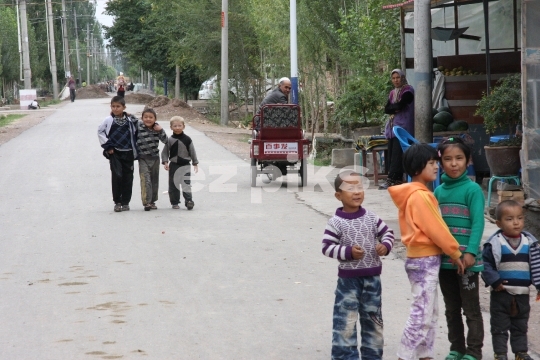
523	356
500	357
176	207
468	357
147	207
153	206
117	207
454	355
125	207
190	205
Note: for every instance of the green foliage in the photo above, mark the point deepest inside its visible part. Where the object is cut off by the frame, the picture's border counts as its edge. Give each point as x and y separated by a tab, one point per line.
9	68
8	119
501	109
363	98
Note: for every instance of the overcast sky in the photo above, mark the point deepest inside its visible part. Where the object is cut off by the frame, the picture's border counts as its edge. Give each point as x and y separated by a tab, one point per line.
102	18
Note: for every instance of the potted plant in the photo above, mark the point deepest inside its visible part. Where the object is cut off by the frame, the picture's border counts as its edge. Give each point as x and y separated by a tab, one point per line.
501	110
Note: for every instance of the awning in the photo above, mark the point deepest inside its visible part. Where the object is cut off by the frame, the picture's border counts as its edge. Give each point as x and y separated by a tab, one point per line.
408	5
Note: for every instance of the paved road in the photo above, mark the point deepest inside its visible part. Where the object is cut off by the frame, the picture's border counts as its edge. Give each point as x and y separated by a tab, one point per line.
239	277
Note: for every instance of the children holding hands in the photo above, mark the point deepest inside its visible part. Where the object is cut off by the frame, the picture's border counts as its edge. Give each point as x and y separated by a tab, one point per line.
426	237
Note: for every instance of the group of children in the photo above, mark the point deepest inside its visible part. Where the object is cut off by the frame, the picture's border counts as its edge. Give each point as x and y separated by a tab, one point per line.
124	139
442	233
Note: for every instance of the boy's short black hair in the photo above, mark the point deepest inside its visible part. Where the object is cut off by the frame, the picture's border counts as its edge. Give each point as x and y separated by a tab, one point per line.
454	141
341	176
119	100
502	206
149	110
416	158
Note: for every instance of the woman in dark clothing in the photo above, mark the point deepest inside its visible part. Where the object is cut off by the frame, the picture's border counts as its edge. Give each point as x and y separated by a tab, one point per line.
400	107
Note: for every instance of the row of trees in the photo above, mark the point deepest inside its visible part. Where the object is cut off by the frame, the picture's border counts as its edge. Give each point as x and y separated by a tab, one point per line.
10	67
344	47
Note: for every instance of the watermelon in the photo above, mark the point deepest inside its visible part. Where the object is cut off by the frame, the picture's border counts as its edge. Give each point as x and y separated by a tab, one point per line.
458	125
434	112
444	108
443	118
438	127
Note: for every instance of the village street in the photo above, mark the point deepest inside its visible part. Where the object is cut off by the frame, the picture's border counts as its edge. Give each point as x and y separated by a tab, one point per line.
241	276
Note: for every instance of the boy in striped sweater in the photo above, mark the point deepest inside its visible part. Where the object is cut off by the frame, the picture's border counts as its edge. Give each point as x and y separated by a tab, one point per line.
150	133
357	238
511	264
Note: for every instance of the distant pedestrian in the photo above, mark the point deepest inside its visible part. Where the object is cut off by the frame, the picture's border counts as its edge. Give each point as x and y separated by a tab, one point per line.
176	157
121	84
118	137
150	133
511	264
71	85
426	237
357	238
33	105
461	201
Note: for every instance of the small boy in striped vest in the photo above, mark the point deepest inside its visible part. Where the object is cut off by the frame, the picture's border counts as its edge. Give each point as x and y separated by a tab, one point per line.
511	264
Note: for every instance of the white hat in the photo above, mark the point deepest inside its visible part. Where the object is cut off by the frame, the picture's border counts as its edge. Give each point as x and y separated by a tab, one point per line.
121	73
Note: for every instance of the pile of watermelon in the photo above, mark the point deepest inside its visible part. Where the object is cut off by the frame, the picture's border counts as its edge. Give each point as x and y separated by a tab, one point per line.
444	121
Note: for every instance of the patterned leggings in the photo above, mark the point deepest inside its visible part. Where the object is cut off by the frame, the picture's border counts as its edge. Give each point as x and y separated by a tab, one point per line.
419	334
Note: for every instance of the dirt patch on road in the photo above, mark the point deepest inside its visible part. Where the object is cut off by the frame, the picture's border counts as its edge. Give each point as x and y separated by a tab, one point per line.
18	126
138	98
91	92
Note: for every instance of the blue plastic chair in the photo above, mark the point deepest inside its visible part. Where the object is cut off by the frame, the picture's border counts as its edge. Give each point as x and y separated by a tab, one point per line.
406	140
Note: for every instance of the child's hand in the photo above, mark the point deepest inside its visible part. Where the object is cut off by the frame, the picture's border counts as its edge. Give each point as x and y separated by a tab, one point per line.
460	266
196	168
157	127
501	286
381	250
468	260
166	166
357	252
110	151
538	296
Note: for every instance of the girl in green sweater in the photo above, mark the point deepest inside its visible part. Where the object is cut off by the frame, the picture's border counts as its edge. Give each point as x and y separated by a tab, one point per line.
461	203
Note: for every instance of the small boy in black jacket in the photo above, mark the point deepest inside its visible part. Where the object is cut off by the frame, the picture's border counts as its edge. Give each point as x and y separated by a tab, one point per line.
176	157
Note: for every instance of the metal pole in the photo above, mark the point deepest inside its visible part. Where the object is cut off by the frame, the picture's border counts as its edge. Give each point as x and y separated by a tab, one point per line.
87	54
224	62
294	54
52	49
66	43
177	83
423	59
77	48
488	62
25	48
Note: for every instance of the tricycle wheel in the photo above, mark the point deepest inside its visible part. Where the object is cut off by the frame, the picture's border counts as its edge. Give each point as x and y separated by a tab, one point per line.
302	173
253	172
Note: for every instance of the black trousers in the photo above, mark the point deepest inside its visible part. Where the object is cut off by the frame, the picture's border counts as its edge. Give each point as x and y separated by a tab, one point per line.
462	292
502	321
121	176
120	93
395	160
179	178
72	95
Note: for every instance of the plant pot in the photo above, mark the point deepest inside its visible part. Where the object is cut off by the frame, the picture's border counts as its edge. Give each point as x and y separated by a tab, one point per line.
503	160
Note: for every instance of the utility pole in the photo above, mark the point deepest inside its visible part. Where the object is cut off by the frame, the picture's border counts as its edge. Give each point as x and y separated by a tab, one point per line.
66	43
294	53
177	83
423	67
52	55
77	47
25	49
87	54
224	62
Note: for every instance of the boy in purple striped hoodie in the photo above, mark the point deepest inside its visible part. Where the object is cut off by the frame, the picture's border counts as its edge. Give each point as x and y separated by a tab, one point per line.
357	238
